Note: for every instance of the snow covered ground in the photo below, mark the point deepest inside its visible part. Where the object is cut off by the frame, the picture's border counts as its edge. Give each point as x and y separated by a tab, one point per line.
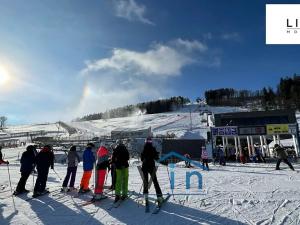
234	194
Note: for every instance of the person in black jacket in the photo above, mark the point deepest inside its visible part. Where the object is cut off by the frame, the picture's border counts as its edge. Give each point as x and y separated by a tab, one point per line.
120	159
44	160
282	156
148	157
27	166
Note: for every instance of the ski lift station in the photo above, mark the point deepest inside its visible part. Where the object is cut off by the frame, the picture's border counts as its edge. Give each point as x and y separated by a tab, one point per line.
245	129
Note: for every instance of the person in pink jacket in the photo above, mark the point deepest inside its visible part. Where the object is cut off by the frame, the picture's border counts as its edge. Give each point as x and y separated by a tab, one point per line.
204	157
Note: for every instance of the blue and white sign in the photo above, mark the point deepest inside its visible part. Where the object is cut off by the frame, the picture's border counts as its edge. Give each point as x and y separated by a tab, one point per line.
224	131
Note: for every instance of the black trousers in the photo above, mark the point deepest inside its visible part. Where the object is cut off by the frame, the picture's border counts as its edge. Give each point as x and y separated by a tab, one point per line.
41	180
152	172
286	162
22	181
71	172
205	161
261	158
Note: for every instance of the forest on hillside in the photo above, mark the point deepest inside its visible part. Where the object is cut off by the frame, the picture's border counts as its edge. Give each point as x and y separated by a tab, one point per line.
151	107
285	96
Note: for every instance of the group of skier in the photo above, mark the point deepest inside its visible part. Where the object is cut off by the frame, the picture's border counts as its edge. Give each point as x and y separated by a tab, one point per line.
117	163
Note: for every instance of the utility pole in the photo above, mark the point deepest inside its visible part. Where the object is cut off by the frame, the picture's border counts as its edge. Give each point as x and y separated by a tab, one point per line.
191	122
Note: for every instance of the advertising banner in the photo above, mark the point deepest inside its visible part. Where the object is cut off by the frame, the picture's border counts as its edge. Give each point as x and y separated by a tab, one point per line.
224	131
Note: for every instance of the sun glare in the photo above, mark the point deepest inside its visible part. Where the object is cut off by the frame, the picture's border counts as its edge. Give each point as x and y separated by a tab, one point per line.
4	76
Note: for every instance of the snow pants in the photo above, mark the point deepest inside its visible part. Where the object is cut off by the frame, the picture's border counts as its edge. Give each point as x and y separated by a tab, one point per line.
205	163
152	172
100	178
85	180
22	181
122	182
41	180
286	162
243	159
222	161
71	172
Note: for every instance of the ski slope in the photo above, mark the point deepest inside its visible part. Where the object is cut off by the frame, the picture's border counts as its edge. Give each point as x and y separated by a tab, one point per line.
178	123
234	194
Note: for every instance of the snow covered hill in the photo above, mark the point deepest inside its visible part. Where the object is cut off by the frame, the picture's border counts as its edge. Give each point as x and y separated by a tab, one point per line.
177	122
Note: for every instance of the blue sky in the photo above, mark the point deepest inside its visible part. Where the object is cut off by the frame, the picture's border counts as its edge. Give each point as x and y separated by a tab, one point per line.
60	59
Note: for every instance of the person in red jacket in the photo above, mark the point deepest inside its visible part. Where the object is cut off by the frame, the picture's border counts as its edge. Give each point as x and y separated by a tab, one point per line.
101	168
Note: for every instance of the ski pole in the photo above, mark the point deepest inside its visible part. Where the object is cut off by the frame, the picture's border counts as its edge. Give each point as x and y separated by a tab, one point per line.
57	174
11	187
32	173
170	182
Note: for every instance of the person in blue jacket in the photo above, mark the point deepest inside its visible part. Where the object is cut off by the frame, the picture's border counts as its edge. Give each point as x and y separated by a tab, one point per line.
88	159
27	166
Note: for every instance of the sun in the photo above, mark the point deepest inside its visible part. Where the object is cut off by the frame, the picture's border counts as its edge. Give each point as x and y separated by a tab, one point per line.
4	76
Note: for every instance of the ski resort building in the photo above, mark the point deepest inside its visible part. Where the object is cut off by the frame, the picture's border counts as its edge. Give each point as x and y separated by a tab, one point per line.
245	129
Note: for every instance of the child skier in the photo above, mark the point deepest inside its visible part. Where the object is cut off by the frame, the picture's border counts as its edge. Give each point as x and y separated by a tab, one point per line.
44	160
73	160
27	167
101	167
148	157
120	158
88	165
204	157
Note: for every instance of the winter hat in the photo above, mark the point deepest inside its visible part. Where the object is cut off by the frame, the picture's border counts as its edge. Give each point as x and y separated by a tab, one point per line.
73	148
30	148
276	145
46	148
91	145
148	140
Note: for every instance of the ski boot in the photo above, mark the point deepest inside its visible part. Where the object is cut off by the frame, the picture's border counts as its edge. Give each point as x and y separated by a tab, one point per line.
160	201
117	198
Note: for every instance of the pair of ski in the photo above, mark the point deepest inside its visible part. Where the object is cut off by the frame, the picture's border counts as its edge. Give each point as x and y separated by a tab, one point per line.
20	193
54	192
34	196
94	200
158	206
118	203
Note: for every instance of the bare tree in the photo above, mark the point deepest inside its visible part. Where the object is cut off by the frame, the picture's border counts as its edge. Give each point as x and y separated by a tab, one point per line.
3	120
